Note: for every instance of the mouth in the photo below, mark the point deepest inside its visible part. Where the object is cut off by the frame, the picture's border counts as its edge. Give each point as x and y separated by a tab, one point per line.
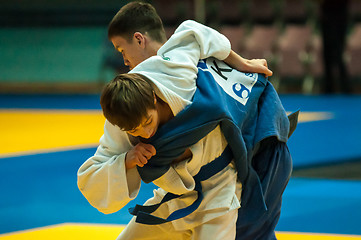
152	134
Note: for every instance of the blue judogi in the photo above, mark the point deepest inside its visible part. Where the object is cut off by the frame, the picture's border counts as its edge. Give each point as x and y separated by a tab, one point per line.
249	112
272	163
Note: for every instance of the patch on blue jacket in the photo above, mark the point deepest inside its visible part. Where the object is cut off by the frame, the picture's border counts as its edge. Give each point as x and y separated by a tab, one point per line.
231	81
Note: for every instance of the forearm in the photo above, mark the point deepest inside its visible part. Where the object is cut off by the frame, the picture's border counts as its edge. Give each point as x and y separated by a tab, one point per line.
236	61
245	65
103	179
106	183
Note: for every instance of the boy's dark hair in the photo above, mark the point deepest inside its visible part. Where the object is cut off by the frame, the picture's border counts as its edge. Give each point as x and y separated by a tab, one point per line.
137	17
126	100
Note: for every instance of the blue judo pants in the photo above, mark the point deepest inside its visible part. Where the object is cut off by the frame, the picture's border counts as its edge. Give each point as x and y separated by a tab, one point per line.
273	164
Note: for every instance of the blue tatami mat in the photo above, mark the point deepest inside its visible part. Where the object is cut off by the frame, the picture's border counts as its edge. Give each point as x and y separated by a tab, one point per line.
327	141
41	190
321	206
50	101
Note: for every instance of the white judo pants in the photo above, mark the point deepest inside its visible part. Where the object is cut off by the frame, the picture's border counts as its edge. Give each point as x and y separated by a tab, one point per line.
220	228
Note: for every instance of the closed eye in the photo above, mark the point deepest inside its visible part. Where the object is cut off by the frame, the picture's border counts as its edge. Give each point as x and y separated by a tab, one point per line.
132	131
149	121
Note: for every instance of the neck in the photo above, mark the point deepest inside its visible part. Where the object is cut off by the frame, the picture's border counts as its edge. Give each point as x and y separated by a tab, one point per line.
164	111
152	46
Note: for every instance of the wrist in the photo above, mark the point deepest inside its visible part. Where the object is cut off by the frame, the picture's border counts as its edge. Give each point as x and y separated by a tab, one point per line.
127	162
237	62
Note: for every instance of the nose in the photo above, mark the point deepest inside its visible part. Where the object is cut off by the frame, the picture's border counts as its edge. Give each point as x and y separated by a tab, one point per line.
126	61
148	132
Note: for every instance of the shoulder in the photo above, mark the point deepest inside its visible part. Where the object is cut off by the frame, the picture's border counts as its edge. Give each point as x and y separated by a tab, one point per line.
189	25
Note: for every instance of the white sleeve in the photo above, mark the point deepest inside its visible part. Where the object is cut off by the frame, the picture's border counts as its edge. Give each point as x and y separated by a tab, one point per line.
211	42
174	69
103	178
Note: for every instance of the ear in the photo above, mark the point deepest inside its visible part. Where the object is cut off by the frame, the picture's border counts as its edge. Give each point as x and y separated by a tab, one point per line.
140	39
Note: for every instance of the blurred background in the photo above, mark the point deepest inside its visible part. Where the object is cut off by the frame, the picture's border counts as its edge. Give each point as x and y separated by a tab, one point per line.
312	46
55	58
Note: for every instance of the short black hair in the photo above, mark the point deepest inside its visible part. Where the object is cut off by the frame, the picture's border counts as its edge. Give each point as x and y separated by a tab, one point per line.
137	17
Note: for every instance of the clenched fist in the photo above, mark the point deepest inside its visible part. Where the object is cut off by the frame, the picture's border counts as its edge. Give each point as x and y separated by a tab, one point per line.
139	155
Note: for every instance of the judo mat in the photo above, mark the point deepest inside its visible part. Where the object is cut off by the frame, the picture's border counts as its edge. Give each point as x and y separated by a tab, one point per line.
45	138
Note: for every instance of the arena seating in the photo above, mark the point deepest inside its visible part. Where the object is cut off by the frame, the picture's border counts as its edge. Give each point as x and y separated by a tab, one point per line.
285	32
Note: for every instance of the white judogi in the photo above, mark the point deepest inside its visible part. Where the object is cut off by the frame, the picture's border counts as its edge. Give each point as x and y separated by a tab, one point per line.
108	186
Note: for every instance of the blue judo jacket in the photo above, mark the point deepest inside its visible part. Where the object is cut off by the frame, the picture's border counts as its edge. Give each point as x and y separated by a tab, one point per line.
248	110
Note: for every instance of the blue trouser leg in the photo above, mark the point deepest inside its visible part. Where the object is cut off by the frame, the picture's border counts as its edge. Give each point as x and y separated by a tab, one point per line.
273	164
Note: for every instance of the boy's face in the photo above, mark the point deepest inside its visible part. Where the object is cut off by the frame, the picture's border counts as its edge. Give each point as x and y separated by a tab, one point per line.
148	127
133	52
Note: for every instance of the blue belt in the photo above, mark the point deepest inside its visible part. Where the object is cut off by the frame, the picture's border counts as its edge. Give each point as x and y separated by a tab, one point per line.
143	213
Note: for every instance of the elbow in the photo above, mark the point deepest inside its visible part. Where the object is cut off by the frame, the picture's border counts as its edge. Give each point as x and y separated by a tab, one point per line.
102	205
106	210
99	199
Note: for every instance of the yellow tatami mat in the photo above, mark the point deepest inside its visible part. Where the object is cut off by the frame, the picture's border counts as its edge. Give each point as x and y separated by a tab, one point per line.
30	131
71	231
35	131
